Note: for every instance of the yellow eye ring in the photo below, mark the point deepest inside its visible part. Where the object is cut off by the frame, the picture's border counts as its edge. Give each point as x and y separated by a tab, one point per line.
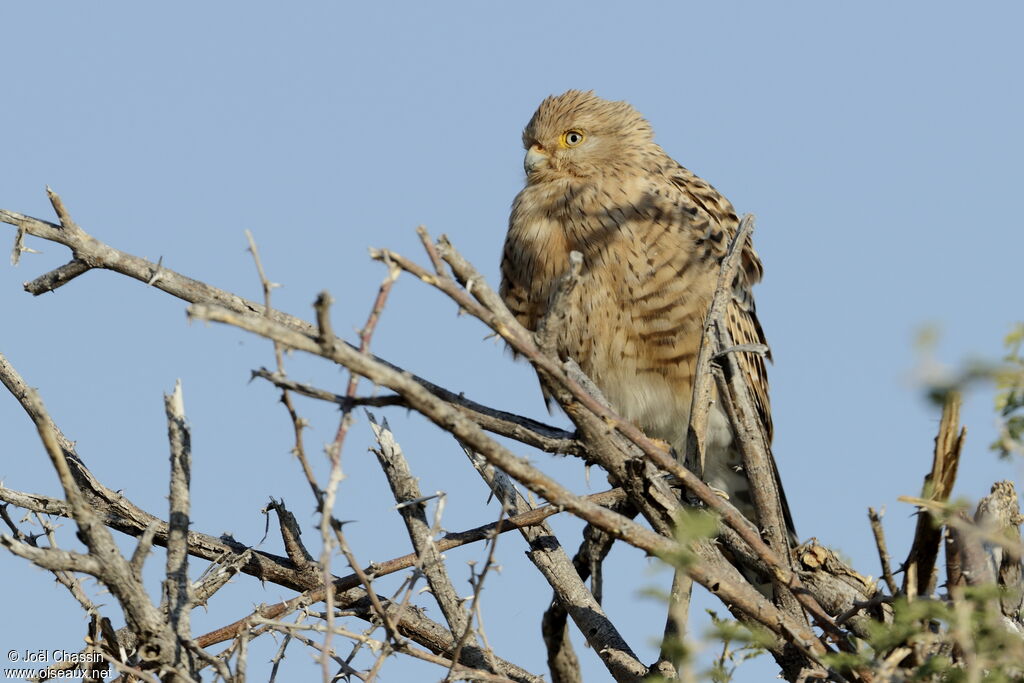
571	138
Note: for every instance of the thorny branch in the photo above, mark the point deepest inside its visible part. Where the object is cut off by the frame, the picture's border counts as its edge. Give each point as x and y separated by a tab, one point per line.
812	581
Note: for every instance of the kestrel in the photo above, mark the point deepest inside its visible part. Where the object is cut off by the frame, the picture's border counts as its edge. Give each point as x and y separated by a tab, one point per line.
653	236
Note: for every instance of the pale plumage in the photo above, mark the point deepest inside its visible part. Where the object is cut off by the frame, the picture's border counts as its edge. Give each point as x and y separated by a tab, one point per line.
653	236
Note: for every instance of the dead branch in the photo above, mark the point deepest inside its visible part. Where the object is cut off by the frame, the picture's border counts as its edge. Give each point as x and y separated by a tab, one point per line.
406	492
525	430
883	551
919	567
177	587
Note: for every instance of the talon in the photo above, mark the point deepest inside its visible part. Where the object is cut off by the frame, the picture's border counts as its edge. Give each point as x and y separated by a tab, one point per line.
720	493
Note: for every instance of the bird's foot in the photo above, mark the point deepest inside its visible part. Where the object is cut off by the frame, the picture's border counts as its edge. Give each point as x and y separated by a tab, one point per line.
719	492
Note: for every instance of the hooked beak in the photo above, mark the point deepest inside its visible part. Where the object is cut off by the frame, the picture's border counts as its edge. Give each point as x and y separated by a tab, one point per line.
535	158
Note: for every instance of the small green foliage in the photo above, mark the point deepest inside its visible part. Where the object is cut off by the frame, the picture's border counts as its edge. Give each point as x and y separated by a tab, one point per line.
909	622
678	650
751	643
845	662
937	668
1010	396
927	338
933	629
690	525
654	593
1007	374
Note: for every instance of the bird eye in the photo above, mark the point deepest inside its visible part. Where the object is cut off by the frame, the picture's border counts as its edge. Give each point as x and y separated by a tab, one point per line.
572	138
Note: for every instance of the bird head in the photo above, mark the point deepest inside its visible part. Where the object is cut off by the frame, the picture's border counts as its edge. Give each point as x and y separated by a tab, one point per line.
579	135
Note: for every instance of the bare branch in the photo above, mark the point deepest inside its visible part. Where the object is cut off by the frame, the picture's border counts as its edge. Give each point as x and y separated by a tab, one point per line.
56	278
177	585
883	552
919	568
703	379
523	429
54	559
405	489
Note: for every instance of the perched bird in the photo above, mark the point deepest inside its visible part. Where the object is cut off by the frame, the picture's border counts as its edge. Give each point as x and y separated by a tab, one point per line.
653	236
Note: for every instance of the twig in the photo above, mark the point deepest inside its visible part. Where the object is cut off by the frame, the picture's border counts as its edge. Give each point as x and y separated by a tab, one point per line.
143	548
218	574
523	429
753	443
279	655
883	552
863	605
477	607
365	335
428	246
291	537
466	637
298	423
293	633
326	339
57	278
64	274
66	579
241	658
367	581
463	672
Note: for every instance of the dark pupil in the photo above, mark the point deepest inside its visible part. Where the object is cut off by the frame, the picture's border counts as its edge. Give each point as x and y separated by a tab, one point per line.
574	138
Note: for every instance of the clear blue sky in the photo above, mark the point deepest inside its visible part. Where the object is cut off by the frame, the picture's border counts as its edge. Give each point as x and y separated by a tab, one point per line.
878	143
